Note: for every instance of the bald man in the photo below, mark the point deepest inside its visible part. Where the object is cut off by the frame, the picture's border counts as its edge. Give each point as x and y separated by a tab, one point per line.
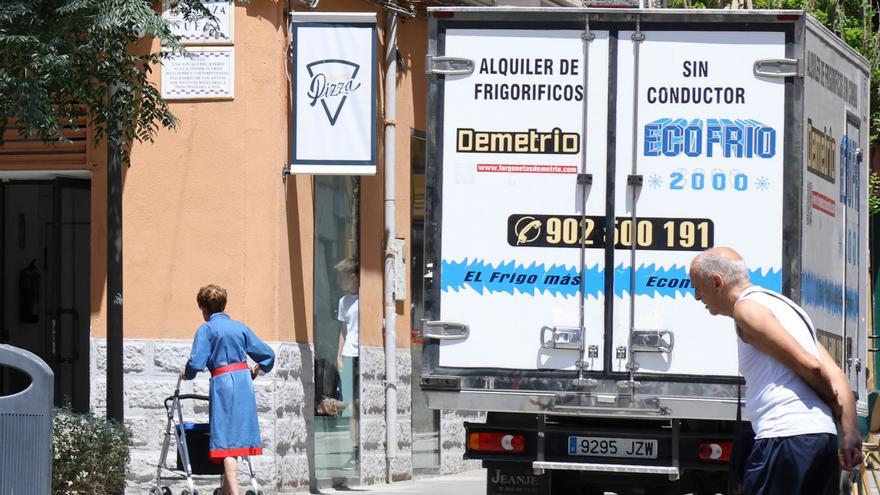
794	390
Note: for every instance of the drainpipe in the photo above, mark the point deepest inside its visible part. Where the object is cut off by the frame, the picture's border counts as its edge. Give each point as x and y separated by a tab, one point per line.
390	237
115	406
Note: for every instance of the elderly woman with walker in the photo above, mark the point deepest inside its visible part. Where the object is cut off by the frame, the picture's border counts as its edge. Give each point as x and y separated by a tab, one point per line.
222	345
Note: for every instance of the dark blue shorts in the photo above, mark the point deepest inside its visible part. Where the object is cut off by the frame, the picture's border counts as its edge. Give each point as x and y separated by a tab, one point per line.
798	465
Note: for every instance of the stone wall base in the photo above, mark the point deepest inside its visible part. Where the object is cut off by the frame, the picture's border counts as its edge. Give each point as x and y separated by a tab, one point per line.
285	403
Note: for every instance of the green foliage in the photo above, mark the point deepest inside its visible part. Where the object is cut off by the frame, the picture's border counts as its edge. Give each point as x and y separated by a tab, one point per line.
873	191
58	58
89	454
855	21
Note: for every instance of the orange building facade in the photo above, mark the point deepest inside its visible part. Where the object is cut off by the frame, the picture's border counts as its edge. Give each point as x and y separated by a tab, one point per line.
208	203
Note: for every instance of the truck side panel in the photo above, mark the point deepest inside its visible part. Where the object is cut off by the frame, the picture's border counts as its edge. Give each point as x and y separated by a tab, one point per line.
835	249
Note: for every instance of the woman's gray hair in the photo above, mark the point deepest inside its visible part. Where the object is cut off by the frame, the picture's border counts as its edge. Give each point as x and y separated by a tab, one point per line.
734	272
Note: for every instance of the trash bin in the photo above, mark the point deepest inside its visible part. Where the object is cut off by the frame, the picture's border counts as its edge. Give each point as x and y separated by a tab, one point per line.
26	427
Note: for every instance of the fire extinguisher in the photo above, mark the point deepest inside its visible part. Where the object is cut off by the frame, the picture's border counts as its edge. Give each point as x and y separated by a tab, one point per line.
29	294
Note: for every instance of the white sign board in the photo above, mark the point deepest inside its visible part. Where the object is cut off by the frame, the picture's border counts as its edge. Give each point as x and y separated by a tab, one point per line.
201	31
207	73
334	87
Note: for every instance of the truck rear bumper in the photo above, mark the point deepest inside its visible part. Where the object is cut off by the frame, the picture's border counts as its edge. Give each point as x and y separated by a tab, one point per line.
585	404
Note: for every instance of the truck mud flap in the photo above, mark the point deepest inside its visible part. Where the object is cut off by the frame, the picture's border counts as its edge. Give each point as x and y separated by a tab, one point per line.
515	479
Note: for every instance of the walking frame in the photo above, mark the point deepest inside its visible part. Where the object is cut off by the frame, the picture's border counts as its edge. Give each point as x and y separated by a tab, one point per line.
175	429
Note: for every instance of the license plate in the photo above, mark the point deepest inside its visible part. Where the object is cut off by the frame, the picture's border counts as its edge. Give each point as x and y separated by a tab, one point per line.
631	448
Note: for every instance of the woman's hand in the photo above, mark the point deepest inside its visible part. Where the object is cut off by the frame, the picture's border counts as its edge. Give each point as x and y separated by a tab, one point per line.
183	374
255	371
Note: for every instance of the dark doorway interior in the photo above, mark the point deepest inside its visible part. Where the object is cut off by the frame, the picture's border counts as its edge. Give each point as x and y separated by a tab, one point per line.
45	295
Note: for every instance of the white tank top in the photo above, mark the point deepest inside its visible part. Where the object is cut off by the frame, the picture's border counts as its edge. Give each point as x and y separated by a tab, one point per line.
778	402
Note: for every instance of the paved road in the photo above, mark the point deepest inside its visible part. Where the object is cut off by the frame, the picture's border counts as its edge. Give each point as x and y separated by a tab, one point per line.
469	483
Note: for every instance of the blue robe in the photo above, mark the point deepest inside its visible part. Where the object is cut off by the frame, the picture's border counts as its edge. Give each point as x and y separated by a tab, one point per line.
220	341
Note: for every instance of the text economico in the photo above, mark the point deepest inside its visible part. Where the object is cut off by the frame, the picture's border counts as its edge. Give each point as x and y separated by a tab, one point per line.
554	141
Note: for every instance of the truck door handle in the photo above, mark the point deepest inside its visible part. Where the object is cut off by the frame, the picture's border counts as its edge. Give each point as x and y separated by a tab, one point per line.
778	67
653	341
449	66
562	337
445	330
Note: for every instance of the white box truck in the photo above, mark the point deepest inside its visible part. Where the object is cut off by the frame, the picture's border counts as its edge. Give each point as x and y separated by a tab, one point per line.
578	159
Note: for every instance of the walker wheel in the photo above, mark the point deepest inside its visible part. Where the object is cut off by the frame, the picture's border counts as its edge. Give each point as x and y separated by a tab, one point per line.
186	491
216	491
166	490
251	492
156	491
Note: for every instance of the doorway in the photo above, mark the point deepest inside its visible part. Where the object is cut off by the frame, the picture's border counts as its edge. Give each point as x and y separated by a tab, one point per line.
45	263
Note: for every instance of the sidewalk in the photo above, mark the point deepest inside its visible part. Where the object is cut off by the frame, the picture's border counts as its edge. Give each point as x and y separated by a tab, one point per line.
468	483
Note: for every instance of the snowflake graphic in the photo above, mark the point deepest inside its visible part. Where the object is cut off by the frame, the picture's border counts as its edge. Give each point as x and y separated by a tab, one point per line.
762	183
655	181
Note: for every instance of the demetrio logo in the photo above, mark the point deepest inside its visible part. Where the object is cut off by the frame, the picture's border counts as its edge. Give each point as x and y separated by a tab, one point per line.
554	141
332	81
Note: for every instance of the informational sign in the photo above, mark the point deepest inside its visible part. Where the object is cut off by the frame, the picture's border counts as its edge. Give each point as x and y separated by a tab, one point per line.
202	31
206	73
334	85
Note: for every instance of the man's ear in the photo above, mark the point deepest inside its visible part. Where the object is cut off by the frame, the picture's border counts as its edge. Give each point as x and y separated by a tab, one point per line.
719	282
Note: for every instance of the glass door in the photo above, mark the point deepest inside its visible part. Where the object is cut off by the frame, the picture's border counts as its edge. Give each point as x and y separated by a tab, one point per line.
68	301
425	421
336	317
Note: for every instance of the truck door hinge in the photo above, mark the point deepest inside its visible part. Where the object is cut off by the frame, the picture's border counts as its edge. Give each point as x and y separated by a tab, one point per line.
583	178
436	382
448	66
635	180
779	67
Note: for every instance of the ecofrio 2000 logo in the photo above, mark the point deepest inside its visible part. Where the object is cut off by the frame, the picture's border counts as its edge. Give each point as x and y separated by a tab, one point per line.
332	81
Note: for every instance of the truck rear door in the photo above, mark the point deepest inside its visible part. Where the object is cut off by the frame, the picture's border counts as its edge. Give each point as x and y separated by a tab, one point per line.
706	169
539	218
513	209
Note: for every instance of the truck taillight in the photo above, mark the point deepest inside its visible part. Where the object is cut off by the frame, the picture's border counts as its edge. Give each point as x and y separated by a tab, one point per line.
714	451
496	442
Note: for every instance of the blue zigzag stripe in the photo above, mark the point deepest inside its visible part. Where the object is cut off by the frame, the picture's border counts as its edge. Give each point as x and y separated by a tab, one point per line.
823	293
510	277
